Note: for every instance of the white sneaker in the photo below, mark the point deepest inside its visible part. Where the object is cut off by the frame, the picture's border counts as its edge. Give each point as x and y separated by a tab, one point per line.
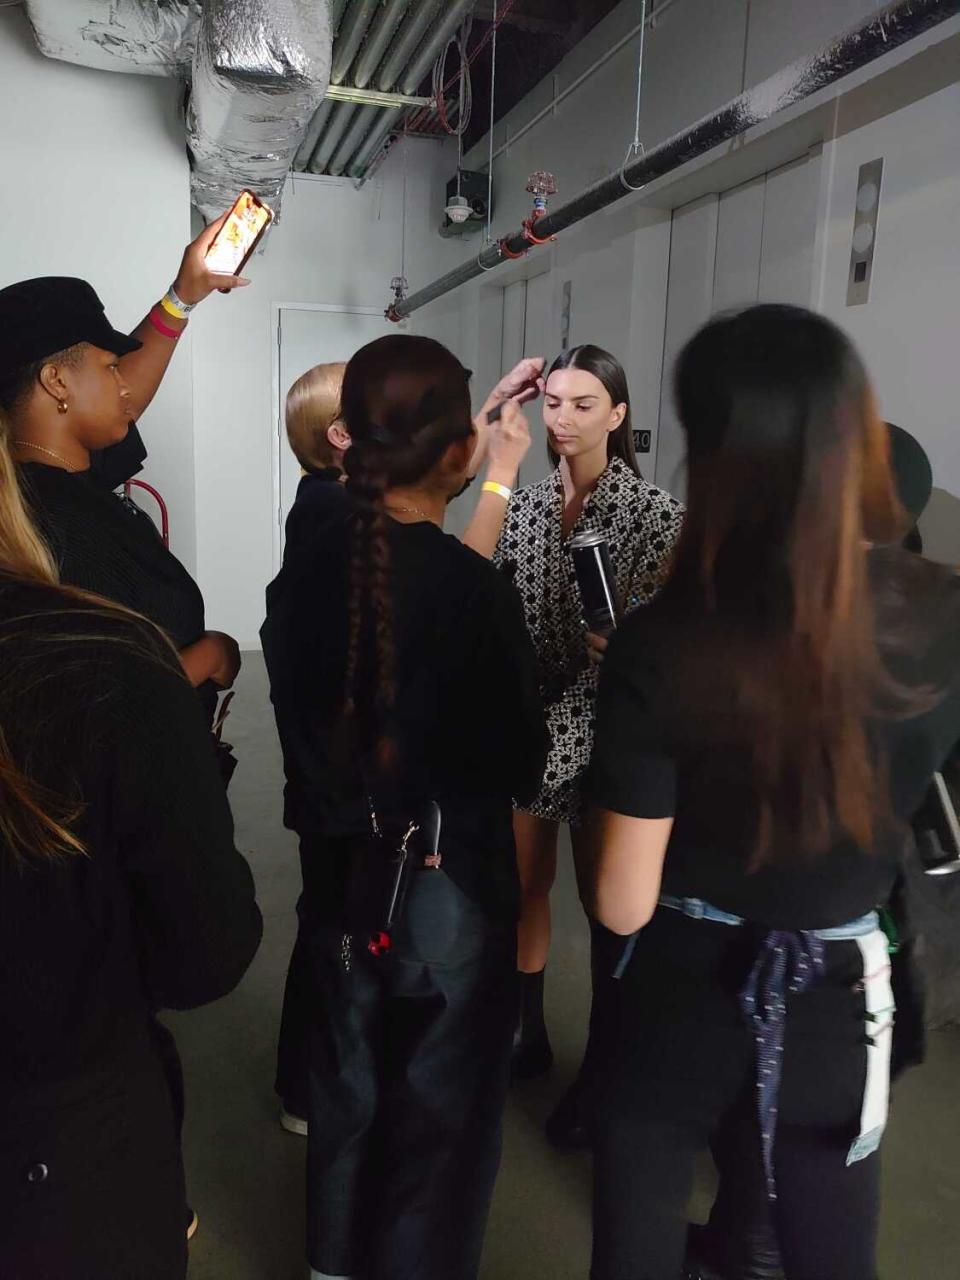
294	1124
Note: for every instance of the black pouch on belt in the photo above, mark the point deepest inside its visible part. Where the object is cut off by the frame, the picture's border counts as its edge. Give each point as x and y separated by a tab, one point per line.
381	870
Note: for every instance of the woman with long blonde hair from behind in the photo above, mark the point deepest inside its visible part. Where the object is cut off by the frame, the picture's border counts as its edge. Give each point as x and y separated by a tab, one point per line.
121	891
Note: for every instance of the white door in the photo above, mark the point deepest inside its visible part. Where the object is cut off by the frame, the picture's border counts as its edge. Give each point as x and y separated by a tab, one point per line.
530	328
754	242
541	338
307	336
789	226
693	242
514	323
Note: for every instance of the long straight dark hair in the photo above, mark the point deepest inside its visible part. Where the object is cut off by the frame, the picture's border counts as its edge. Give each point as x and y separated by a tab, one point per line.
608	370
405	400
788	480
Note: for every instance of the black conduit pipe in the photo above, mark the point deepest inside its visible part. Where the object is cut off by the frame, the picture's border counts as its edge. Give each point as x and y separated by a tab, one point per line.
889	27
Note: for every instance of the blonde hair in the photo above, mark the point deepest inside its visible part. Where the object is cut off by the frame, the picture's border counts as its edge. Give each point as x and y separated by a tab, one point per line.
23	553
35	822
313	406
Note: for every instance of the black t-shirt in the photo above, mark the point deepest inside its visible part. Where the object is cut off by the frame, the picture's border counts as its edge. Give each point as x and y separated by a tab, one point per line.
160	911
105	544
102	546
319	496
467	723
650	763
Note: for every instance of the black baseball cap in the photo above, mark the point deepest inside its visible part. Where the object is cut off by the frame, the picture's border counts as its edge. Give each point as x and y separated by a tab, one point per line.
43	316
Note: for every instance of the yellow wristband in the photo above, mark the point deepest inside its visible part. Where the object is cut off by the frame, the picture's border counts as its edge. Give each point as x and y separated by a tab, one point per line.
501	490
171	308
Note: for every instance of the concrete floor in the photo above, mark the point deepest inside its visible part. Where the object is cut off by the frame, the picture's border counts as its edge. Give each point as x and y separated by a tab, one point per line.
245	1175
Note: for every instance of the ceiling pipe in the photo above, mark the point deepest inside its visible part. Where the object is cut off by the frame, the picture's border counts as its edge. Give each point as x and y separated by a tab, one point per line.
371	148
423	60
336	13
353	28
340	120
886	29
382	31
312	136
362	123
408	38
403	44
454	13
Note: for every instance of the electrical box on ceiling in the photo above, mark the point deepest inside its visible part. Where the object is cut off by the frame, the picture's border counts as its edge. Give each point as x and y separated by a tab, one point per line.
473	189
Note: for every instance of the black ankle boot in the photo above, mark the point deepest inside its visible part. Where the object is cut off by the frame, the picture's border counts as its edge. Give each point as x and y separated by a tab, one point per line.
755	1255
566	1126
532	1054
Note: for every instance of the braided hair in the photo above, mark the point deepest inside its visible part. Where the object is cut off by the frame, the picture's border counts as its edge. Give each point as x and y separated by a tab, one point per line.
405	400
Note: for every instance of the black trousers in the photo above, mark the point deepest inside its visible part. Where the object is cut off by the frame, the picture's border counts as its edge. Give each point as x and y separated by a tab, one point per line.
676	1063
409	1066
91	1177
299	1006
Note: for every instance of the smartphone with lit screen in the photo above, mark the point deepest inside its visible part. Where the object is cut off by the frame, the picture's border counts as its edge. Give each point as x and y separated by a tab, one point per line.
239	236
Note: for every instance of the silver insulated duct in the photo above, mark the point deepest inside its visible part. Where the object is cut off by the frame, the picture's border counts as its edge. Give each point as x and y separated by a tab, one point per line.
153	39
258	69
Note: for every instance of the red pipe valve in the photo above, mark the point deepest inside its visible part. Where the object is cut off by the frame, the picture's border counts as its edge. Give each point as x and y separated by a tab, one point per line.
541	185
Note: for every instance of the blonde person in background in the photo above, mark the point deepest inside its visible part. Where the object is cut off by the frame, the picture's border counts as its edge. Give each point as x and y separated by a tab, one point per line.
319	440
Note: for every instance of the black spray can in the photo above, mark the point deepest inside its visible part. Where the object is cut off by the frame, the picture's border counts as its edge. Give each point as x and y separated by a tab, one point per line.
595	578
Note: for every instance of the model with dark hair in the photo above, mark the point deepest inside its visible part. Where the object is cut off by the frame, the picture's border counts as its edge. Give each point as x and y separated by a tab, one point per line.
763	734
406	697
596	484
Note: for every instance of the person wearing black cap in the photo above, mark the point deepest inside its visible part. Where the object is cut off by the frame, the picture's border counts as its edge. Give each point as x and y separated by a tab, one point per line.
71	388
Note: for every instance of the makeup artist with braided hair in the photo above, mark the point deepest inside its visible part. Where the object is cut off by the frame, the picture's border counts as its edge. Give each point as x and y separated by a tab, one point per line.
407	695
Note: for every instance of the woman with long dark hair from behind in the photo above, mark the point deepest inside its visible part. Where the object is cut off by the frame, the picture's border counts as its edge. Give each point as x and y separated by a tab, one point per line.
762	738
121	891
406	694
596	485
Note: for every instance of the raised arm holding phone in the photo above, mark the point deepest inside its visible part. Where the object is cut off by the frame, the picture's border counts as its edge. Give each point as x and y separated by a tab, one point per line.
71	388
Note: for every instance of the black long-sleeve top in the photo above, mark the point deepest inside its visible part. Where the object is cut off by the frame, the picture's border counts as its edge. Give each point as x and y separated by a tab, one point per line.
467	726
160	910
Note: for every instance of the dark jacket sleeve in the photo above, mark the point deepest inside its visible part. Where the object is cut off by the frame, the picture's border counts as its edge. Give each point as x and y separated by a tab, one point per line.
508	723
197	922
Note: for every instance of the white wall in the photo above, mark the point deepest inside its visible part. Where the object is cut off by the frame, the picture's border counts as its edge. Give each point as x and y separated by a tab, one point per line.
111	145
335	245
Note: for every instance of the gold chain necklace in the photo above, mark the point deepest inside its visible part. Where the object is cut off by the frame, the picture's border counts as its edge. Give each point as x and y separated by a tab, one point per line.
28	444
409	510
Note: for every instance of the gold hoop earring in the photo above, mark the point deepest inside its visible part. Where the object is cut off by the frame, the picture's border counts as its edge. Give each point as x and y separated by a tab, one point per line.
62	406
